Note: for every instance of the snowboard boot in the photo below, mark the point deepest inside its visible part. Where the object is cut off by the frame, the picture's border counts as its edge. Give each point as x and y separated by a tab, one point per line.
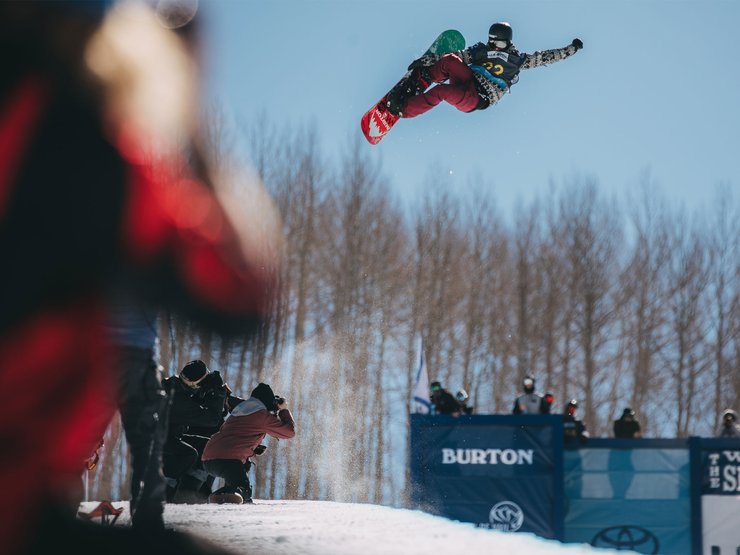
226	497
246	494
423	79
415	84
395	102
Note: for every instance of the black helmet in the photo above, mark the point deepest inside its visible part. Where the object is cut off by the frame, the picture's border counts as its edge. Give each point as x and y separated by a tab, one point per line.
500	31
571	407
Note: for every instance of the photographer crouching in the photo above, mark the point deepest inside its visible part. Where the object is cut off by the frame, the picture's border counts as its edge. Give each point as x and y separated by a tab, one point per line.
228	451
199	401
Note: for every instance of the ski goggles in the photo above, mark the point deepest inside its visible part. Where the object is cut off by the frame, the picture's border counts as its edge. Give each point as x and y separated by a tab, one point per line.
194	384
498	43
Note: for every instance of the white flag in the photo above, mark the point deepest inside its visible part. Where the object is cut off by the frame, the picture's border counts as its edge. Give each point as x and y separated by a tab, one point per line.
421	403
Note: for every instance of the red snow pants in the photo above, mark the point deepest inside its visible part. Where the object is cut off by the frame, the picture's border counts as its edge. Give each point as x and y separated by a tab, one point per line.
460	92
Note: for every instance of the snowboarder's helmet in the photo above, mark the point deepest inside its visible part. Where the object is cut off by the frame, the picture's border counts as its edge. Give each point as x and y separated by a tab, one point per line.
571	407
436	386
500	33
461	395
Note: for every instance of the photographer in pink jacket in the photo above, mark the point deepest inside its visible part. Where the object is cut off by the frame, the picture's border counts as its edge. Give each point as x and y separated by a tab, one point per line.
227	453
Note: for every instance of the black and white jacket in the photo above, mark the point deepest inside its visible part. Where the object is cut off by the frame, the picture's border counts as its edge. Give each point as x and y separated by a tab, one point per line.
503	67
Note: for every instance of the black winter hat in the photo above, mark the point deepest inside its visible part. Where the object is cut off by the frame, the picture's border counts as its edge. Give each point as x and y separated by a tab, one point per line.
194	371
264	393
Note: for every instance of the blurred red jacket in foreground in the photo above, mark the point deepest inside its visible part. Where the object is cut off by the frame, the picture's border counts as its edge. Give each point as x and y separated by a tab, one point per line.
79	207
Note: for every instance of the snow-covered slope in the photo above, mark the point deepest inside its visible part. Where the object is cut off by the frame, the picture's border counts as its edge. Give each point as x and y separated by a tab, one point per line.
327	528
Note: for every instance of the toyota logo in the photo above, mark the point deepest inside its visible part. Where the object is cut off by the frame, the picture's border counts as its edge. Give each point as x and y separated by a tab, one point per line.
627	538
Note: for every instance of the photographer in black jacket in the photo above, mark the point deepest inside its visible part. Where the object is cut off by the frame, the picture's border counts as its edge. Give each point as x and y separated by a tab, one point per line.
199	400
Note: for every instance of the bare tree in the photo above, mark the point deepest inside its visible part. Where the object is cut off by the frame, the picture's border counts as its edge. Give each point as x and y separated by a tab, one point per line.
688	277
593	235
643	296
724	286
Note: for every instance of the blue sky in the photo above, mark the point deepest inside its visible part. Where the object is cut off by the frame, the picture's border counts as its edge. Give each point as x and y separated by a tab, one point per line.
656	88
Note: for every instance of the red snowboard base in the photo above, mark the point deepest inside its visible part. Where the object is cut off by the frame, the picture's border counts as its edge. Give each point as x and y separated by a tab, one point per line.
376	122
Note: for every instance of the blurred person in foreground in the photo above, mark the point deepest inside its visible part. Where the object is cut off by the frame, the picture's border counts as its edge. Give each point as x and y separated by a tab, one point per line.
228	451
132	332
102	176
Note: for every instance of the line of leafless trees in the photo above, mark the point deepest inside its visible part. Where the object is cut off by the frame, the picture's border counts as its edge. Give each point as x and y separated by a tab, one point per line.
627	301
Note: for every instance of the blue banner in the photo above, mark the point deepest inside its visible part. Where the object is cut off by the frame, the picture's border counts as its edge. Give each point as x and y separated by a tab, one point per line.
666	496
719	486
629	495
498	471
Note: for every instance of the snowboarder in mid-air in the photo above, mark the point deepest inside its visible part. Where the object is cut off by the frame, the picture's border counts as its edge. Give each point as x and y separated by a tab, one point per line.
477	77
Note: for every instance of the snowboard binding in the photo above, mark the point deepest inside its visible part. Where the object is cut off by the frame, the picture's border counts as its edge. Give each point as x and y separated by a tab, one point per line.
415	84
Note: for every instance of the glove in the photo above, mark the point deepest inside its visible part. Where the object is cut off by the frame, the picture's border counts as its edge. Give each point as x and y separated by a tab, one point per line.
578	43
260	449
212	381
424	61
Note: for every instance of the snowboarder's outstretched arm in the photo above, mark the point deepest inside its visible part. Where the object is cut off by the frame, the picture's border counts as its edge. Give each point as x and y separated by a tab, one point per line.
537	59
479	53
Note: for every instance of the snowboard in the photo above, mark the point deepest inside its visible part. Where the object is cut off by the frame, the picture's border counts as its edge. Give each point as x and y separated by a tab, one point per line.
377	121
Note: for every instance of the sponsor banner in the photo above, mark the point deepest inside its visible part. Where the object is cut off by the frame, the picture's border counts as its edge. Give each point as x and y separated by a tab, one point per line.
720	530
719	477
720	472
636	499
498	472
